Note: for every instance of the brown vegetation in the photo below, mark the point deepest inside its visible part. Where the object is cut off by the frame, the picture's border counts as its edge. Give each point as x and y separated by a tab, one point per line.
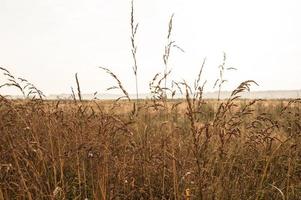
192	148
149	149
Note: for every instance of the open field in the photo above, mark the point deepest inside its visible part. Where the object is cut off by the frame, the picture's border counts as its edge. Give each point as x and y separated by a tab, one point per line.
181	149
150	145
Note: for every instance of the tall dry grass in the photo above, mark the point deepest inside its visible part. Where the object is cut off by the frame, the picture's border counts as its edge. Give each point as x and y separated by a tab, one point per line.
189	148
233	149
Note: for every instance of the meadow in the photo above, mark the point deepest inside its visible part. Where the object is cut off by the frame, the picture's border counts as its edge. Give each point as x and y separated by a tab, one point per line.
189	148
158	148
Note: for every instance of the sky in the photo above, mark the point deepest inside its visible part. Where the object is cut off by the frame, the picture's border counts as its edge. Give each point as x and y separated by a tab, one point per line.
48	41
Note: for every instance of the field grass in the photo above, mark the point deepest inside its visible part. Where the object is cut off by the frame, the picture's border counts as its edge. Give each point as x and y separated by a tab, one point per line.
238	149
161	148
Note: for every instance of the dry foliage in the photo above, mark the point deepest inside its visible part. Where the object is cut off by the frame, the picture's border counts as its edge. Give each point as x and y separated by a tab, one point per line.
160	148
190	148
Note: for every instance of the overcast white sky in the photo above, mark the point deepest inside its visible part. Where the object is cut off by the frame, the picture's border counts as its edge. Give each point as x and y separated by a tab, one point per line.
47	41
